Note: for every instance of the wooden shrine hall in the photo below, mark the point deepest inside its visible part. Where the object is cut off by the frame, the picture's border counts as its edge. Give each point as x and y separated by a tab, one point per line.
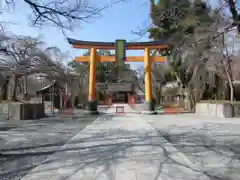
116	92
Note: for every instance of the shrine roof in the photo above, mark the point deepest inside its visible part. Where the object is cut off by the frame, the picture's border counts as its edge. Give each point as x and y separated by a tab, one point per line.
48	87
116	87
111	45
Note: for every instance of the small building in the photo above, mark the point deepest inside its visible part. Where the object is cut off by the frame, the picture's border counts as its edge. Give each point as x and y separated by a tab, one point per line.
171	95
52	95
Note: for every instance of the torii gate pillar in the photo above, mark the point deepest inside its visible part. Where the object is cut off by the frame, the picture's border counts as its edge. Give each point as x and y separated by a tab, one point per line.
92	101
148	83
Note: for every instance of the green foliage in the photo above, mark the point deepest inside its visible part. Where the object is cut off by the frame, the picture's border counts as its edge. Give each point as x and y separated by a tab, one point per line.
177	17
185	23
178	20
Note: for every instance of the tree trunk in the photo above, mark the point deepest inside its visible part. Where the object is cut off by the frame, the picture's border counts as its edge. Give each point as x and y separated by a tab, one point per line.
229	78
190	101
25	85
2	94
12	88
4	90
231	91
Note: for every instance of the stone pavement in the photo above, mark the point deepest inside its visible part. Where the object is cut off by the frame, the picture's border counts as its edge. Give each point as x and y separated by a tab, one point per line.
26	144
210	143
117	147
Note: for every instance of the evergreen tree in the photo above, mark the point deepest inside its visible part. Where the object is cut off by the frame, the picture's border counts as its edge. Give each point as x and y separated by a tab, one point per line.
176	18
184	23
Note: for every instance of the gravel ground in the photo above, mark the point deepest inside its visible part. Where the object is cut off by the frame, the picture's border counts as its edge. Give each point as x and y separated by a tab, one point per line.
212	144
25	144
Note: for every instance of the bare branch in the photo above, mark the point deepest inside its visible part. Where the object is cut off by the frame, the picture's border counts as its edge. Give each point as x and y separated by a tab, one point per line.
64	14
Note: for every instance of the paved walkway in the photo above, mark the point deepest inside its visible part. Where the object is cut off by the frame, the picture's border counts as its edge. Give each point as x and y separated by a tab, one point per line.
210	143
117	147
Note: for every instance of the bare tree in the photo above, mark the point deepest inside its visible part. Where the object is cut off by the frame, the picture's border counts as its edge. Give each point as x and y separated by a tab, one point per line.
80	80
62	13
23	56
223	57
158	80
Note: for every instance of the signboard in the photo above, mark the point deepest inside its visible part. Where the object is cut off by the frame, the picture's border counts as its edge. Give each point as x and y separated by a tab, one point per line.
120	51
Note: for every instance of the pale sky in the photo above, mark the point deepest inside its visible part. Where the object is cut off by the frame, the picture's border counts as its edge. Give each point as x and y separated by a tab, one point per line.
116	22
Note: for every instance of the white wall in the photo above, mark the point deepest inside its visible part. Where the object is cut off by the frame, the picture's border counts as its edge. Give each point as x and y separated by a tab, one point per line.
214	110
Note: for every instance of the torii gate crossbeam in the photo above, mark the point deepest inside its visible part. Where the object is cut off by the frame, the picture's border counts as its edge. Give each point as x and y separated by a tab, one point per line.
93	58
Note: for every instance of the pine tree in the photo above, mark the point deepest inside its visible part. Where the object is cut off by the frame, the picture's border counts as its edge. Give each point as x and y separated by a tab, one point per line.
176	17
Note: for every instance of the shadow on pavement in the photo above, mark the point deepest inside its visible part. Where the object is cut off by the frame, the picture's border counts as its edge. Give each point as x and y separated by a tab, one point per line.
26	144
106	149
215	152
